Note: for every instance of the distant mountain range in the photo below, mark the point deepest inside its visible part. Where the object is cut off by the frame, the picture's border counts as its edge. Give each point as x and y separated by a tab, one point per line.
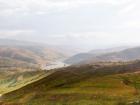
120	54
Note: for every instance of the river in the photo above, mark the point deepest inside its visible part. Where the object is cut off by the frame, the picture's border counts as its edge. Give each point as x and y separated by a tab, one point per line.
54	65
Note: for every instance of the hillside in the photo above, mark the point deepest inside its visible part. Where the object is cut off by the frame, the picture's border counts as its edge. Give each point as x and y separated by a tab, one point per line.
15	79
82	85
79	58
123	55
108	50
26	54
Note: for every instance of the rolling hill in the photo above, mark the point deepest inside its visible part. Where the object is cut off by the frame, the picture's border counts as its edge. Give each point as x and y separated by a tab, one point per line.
108	50
15	79
15	53
79	58
123	55
112	84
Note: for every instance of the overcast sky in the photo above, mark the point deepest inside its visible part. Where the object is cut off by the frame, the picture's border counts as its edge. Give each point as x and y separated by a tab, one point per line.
85	24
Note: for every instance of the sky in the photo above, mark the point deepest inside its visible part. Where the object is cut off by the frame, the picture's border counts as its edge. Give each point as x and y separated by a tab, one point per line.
81	24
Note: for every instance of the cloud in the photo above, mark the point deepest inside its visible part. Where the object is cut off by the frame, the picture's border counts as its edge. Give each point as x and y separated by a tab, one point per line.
127	9
10	7
13	33
78	22
103	39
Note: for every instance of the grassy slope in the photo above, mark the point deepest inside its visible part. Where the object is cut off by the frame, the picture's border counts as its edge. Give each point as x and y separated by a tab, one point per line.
86	85
12	80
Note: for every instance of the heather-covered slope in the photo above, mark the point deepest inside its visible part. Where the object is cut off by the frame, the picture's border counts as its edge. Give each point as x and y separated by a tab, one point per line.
111	84
14	79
